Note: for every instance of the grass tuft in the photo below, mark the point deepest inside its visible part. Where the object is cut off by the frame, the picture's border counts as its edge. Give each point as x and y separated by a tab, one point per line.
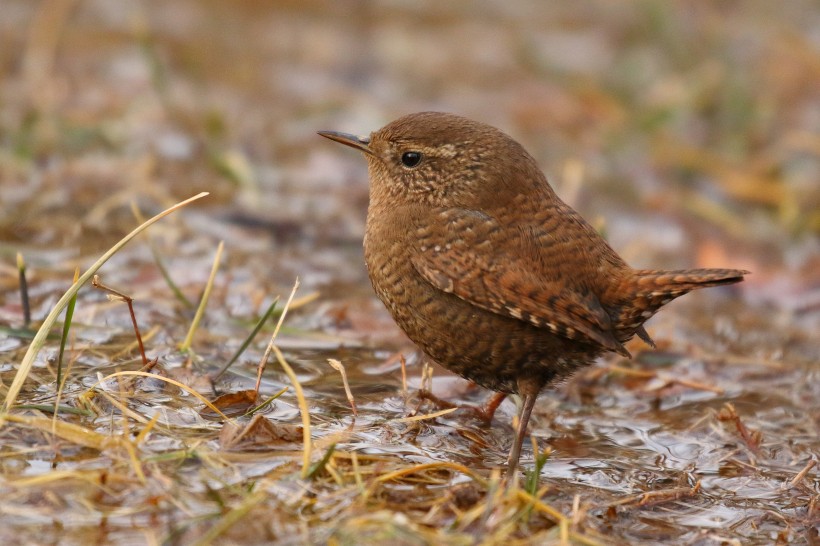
41	335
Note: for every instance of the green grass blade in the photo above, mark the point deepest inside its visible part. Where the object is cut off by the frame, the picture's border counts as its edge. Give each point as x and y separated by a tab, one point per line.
160	264
69	313
248	340
167	276
320	465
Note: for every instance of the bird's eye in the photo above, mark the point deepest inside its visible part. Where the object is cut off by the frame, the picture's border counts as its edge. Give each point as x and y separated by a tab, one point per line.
410	159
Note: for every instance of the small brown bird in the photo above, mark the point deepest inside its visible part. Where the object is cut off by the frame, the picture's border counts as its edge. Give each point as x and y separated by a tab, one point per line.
487	270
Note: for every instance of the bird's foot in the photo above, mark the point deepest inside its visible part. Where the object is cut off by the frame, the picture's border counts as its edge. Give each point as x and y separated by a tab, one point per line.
486	412
483	413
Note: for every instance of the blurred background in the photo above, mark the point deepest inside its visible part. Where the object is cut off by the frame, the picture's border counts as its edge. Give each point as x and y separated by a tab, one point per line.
688	133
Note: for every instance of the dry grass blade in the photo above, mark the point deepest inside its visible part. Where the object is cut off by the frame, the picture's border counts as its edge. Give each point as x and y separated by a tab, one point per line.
390	476
200	311
230	518
91	477
269	348
68	431
339	367
55	409
40	338
803	473
433	415
304	300
357	473
540	506
82	436
177	384
303	410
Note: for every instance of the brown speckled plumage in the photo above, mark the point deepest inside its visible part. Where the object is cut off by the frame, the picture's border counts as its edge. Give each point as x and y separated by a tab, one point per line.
487	270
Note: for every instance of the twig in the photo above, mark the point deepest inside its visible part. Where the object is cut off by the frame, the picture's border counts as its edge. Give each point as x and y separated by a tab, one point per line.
752	439
656	497
95	282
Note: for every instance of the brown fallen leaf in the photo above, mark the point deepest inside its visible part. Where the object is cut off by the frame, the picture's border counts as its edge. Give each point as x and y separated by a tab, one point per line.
232	404
258	435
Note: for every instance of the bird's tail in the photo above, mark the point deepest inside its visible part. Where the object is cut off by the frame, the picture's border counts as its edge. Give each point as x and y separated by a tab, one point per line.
650	282
650	289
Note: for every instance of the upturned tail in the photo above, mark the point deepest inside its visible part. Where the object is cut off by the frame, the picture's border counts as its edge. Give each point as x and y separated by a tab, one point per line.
648	290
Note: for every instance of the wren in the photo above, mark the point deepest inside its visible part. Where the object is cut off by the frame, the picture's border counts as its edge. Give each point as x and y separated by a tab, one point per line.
487	270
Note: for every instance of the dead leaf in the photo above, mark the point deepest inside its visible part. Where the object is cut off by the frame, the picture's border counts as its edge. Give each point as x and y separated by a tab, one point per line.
259	434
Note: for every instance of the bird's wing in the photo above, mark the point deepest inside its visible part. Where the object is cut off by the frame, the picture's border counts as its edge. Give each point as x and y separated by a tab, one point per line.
468	254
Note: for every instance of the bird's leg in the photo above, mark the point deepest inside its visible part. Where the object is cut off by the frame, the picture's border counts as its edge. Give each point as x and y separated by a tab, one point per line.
523	419
529	390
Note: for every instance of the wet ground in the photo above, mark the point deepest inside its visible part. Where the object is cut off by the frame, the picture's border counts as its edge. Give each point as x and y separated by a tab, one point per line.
687	134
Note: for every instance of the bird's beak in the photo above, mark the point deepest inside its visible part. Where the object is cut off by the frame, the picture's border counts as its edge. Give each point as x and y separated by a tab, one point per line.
358	142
